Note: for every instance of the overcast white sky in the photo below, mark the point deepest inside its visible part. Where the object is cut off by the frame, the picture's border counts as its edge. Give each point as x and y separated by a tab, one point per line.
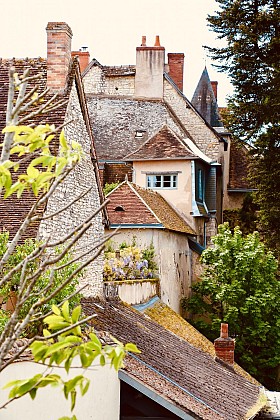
112	29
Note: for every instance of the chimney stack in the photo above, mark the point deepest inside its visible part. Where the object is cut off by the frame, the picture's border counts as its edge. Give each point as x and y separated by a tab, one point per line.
83	56
215	89
149	70
224	346
59	36
176	68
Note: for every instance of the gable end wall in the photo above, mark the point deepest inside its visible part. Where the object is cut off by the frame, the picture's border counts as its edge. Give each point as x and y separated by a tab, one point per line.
77	182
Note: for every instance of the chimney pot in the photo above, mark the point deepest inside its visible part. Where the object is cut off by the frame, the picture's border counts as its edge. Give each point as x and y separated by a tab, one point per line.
157	42
224	331
143	44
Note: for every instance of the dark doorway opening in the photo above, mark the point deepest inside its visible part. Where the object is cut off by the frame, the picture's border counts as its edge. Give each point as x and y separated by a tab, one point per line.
137	406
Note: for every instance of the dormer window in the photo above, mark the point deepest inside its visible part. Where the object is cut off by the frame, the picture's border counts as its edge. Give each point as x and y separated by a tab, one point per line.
139	134
119	208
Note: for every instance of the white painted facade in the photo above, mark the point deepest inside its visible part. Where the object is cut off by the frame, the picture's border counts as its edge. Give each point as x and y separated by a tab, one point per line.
101	402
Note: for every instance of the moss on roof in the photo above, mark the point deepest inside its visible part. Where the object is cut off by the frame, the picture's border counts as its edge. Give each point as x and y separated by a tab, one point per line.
168	216
173	322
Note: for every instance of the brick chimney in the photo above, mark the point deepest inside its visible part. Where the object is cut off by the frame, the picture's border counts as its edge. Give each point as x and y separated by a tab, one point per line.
149	70
224	346
176	68
84	57
59	36
215	89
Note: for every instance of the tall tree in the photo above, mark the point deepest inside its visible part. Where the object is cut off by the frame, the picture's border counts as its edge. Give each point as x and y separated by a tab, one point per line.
239	286
251	30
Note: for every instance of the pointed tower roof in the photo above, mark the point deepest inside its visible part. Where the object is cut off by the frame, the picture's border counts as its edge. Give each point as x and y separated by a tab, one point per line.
205	101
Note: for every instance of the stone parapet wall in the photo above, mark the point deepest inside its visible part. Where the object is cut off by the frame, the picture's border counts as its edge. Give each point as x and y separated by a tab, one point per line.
95	82
76	183
132	292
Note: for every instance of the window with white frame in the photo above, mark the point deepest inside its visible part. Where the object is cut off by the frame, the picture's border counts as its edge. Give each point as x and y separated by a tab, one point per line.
160	181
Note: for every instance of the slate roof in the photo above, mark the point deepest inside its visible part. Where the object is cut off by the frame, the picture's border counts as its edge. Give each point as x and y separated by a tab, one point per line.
238	167
115	121
165	144
205	102
144	207
184	375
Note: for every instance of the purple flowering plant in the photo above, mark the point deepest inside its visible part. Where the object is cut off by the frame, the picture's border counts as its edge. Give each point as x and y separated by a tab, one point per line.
129	262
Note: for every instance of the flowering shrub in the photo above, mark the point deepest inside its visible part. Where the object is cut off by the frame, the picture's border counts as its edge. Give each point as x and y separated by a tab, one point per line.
129	263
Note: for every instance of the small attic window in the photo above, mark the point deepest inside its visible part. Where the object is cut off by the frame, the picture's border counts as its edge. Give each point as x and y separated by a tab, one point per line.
139	134
119	208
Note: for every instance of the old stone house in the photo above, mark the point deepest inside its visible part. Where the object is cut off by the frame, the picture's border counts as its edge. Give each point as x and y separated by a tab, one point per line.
61	74
129	105
176	375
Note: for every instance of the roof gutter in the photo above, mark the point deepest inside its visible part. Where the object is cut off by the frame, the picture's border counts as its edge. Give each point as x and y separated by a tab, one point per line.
136	226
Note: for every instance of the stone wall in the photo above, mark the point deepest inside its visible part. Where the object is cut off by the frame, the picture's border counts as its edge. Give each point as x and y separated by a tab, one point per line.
203	136
77	182
96	82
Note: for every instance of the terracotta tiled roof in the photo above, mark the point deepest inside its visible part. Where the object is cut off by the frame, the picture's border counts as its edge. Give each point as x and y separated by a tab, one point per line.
165	144
238	167
184	375
142	206
134	210
13	210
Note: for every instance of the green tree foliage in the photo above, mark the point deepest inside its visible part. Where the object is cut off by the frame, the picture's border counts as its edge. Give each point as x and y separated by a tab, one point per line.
239	287
251	29
39	289
110	187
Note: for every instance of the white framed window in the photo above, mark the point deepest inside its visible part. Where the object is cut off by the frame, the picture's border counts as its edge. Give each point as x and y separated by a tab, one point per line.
160	181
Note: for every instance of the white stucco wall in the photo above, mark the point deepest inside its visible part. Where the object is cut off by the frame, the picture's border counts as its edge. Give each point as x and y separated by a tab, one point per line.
181	197
101	402
173	259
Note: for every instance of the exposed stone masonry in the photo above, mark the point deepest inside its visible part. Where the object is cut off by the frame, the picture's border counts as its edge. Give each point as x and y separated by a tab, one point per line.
77	182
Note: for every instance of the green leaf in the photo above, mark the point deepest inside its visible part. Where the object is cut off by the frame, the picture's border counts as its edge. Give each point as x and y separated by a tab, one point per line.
102	360
55	310
132	347
76	314
62	140
32	172
73	399
65	311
